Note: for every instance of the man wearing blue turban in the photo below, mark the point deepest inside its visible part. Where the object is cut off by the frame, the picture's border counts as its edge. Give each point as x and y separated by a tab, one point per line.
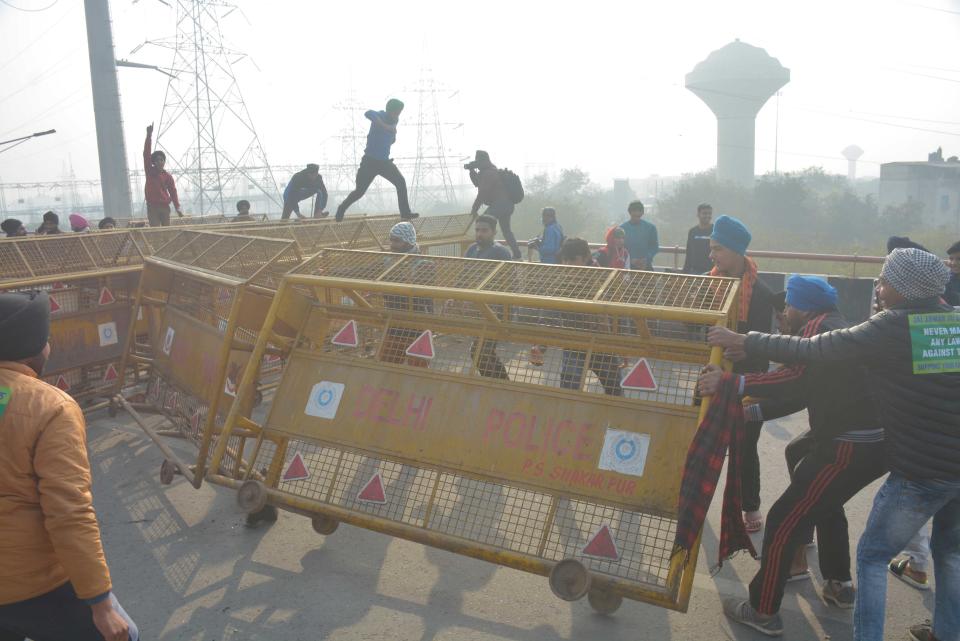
838	456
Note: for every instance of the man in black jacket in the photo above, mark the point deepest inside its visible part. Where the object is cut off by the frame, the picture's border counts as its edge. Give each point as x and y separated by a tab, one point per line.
840	455
912	360
728	251
696	259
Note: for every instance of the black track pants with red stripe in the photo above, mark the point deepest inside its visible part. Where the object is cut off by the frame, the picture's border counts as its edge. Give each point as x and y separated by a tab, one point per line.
827	477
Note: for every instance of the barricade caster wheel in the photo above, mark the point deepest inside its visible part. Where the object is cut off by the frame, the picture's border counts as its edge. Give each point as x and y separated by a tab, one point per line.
604	601
167	471
324	524
570	580
252	496
266	514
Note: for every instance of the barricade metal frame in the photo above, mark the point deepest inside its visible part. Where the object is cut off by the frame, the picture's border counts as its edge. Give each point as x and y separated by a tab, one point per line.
653	315
92	282
215	290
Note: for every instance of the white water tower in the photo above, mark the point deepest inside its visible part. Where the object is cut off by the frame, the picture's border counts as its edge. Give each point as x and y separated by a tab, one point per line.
735	81
852	153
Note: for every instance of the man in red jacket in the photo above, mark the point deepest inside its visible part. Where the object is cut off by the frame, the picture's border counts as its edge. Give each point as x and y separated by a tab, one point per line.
159	189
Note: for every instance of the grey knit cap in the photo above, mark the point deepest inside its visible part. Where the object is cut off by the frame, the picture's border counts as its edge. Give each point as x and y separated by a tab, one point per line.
915	274
405	232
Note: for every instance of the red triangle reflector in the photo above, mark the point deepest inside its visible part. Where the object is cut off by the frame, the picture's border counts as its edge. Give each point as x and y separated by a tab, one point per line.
54	305
58	285
348	336
106	296
296	470
63	384
422	347
111	373
640	377
602	545
373	492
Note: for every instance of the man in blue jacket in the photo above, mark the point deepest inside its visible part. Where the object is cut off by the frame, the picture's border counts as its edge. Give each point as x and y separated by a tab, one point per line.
642	242
304	184
549	243
376	159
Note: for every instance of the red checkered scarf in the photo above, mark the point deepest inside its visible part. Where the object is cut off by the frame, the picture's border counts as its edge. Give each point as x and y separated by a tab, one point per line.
722	428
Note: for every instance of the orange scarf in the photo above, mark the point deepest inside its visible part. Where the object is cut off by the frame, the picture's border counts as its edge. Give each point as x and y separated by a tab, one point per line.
746	286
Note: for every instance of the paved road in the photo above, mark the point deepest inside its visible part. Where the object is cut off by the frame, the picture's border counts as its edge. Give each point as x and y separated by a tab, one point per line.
187	569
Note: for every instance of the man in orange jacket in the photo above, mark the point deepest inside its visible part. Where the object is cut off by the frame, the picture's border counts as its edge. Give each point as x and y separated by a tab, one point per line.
54	580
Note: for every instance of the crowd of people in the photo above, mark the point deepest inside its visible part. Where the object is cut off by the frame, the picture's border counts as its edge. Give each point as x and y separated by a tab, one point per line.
871	411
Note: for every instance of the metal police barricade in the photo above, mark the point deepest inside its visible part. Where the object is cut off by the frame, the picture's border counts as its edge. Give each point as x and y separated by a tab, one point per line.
188	246
410	405
442	234
91	280
204	306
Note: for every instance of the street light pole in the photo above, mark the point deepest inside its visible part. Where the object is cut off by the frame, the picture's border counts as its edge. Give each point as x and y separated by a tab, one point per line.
114	173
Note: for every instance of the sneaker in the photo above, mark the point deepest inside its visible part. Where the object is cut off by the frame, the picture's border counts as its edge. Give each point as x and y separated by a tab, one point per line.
742	612
799	576
839	593
922	632
902	569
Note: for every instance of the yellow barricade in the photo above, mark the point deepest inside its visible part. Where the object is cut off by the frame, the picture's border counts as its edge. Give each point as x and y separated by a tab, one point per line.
412	403
91	280
204	312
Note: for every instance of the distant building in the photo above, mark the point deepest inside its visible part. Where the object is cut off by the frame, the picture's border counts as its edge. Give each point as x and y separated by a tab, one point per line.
935	183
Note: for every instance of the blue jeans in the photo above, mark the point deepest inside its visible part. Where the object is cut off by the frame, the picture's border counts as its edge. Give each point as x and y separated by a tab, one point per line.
900	509
57	615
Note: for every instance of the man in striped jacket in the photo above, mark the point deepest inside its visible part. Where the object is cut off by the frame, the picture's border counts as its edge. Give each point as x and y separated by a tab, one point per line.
840	455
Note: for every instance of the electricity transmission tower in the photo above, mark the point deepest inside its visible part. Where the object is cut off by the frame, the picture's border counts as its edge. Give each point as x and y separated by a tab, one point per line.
431	184
205	128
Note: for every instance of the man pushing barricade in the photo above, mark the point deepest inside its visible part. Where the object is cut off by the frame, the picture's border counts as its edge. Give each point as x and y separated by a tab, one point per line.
840	455
911	354
54	580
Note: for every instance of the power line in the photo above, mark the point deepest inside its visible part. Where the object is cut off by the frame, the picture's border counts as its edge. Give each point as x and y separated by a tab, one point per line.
923	6
49	6
39	38
52	109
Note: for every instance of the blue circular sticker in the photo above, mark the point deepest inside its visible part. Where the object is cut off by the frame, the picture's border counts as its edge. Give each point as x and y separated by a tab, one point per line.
107	332
324	397
625	449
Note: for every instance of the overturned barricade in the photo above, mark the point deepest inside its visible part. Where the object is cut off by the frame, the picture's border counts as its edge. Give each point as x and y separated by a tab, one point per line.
91	280
410	404
204	304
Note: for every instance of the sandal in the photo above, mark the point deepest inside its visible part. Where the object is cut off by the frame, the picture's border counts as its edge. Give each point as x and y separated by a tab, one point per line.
753	525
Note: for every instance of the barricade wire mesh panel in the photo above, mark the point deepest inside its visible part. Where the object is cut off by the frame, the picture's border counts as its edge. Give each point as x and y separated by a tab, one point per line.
219	250
14	265
182	247
668	290
64	255
500	515
431	227
150	240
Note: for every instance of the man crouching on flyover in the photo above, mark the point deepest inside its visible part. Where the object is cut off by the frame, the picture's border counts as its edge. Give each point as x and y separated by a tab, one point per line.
915	383
840	455
54	580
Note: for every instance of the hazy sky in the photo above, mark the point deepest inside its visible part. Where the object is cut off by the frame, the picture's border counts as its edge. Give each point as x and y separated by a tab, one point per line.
596	84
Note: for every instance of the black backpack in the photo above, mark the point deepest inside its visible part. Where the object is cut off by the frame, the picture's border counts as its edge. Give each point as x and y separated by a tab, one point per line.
512	185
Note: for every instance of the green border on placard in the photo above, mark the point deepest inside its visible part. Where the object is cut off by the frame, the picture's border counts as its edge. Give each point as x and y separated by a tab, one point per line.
935	342
4	399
